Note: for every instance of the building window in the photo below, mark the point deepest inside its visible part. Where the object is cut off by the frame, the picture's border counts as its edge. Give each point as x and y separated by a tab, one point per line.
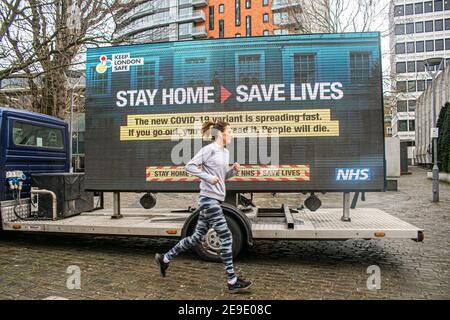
447	4
184	29
411	67
304	68
400	67
412	125
418	8
359	67
399	29
238	35
211	18
248	26
250	69
248	4
237	12
146	75
420	46
420	66
419	27
221	8
183	12
438	5
409	9
439	25
403	125
429	26
429	45
266	32
429	6
265	17
411	105
389	130
420	85
221	29
265	3
401	86
409	28
278	32
447	46
399	11
402	106
280	17
410	47
447	23
400	48
439	45
412	86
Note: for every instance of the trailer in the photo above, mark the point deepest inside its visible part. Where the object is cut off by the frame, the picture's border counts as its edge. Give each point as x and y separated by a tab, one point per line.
246	224
307	117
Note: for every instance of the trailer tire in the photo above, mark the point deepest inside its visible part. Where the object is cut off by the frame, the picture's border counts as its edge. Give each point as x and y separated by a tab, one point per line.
209	252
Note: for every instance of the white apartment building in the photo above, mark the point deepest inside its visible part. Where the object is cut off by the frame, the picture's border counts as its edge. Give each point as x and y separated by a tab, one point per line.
419	30
163	20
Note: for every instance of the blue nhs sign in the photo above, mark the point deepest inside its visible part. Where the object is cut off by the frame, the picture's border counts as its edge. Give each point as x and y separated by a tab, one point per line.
353	174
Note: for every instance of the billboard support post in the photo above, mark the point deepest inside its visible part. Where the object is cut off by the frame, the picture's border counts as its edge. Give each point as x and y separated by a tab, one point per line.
116	206
346	207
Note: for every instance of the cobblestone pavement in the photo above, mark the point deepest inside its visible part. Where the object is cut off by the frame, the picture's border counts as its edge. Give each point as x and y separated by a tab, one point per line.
35	266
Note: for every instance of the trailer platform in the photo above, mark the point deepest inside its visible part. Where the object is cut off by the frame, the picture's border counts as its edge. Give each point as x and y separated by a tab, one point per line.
324	224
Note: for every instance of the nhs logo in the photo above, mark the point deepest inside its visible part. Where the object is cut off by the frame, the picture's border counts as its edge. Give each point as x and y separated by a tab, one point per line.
354	174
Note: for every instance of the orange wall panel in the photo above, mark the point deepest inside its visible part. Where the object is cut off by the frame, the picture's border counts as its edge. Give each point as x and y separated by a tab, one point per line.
228	16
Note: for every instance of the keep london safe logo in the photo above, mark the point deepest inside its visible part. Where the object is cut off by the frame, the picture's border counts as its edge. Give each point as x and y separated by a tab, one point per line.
120	62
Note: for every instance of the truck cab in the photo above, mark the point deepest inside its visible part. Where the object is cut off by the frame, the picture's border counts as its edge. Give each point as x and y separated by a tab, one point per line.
32	143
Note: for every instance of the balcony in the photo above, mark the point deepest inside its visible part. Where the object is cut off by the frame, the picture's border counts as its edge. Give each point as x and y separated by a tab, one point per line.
129	30
195	16
285	4
285	23
199	32
141	11
199	3
406	135
133	15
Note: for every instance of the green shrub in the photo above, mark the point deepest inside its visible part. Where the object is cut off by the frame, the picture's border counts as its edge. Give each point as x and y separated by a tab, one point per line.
448	165
443	124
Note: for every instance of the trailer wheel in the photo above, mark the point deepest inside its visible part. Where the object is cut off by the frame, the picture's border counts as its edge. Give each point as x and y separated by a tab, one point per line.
209	249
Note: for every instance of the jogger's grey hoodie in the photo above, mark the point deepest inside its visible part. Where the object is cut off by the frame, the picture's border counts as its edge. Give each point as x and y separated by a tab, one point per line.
212	160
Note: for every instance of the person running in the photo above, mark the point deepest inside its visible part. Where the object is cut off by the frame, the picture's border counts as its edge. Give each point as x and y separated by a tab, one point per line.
210	164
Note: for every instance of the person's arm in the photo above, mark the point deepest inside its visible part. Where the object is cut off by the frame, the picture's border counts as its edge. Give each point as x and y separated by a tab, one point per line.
233	171
230	173
192	167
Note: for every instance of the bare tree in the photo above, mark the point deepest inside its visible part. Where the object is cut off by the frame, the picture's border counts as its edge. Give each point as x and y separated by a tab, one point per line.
44	38
8	13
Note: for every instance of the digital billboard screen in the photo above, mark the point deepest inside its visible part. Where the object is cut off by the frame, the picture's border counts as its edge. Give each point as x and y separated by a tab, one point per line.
306	112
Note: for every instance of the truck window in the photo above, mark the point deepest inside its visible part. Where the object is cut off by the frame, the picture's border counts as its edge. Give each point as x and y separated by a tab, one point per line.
26	134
